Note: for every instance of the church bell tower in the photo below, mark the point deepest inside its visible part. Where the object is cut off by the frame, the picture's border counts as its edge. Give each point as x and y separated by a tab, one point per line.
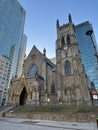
72	82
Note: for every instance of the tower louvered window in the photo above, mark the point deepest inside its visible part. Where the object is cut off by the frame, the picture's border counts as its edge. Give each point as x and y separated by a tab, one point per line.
68	39
63	41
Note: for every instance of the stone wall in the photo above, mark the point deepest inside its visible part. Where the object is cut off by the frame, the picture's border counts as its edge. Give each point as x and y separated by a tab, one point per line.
54	116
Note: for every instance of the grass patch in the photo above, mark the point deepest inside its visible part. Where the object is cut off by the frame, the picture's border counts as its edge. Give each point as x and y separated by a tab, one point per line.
57	109
87	109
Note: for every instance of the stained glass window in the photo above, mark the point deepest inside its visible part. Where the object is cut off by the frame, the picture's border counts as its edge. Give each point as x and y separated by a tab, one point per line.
33	70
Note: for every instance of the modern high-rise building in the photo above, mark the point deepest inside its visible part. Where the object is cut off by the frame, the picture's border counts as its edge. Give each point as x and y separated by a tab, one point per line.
4	78
12	18
21	56
88	49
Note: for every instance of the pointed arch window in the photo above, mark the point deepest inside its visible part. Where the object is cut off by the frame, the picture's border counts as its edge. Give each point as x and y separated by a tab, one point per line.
67	67
52	88
33	70
68	39
65	90
63	41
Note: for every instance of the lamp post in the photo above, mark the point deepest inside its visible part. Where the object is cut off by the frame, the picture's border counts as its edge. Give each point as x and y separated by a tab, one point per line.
48	100
89	33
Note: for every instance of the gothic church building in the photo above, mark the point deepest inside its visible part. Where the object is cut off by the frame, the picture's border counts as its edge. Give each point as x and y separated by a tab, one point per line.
41	81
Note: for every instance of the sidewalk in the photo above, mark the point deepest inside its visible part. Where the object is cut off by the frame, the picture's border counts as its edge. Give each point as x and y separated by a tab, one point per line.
52	124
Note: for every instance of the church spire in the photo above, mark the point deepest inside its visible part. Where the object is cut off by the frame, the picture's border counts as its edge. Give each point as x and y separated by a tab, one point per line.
70	18
57	23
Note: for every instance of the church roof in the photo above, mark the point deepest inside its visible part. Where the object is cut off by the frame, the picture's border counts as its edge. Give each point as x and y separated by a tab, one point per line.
51	64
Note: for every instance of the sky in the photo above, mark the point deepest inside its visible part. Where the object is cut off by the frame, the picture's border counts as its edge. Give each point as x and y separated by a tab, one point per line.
41	16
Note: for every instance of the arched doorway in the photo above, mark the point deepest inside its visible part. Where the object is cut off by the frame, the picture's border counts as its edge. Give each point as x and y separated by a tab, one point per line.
23	96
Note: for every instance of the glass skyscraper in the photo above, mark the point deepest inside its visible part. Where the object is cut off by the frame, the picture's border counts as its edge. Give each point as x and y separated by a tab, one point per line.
12	17
21	56
88	50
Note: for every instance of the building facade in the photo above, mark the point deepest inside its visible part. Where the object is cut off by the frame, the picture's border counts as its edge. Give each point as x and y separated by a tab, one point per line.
43	81
89	53
12	18
4	78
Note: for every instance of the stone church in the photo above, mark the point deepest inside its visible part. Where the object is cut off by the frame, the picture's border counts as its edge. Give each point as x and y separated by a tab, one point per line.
44	82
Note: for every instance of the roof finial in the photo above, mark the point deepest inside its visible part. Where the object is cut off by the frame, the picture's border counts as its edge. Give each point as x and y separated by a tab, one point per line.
44	52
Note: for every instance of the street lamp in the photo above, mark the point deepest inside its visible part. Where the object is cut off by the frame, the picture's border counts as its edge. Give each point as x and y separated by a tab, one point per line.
89	33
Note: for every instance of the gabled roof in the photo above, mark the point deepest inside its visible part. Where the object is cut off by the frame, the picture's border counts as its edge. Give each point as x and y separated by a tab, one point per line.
34	48
48	62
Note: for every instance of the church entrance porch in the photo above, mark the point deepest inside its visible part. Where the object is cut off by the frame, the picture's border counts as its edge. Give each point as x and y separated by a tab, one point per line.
23	97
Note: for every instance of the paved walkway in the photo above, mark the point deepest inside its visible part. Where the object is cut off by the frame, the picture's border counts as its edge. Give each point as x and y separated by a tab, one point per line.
27	124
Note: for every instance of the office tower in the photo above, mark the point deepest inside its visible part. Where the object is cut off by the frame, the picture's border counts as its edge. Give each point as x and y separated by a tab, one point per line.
4	78
21	56
88	48
12	17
